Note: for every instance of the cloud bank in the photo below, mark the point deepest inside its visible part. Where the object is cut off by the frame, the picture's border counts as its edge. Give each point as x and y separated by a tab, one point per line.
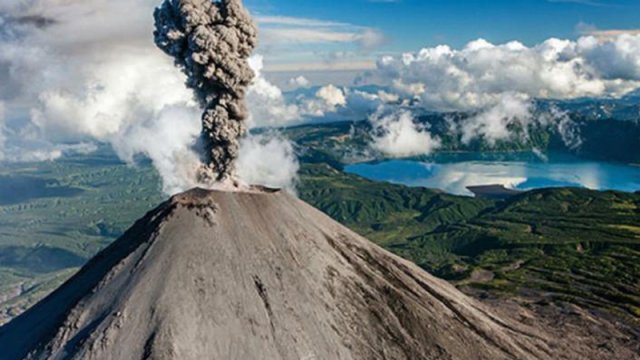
499	84
481	73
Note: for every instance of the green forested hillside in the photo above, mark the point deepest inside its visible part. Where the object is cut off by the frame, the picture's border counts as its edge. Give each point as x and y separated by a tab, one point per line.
56	215
576	245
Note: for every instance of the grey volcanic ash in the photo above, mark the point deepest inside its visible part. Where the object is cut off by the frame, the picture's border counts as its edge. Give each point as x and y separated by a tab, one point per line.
211	42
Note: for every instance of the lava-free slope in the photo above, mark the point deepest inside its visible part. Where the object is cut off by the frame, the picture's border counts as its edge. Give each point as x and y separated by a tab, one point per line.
259	275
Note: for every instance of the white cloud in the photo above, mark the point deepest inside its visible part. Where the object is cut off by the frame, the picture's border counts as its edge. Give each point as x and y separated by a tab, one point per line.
297	21
114	95
613	59
567	128
267	105
2	130
481	73
498	83
332	96
34	150
603	34
299	82
310	45
325	66
492	124
310	36
370	38
278	30
512	118
268	160
361	104
397	135
93	74
328	99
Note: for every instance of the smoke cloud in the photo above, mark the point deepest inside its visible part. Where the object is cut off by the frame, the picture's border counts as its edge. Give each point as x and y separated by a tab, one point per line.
173	132
211	42
89	71
268	159
101	78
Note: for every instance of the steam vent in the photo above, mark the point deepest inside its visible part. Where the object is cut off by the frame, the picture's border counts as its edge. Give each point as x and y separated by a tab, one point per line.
259	275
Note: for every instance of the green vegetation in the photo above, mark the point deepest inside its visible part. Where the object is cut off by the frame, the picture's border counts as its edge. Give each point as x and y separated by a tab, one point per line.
571	245
56	215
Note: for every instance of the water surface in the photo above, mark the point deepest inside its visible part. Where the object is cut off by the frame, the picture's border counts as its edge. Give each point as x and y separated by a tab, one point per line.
453	173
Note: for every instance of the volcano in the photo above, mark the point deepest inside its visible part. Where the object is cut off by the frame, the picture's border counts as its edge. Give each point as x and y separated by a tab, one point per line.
258	275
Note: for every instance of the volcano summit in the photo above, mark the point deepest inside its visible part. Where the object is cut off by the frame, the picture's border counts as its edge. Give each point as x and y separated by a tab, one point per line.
259	275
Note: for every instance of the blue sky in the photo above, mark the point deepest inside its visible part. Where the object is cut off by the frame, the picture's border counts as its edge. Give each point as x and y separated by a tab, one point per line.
409	25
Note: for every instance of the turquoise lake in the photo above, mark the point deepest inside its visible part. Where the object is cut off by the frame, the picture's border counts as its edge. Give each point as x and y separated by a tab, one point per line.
523	171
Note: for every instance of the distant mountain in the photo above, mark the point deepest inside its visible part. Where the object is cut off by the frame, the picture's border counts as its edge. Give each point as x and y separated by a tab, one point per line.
601	138
626	108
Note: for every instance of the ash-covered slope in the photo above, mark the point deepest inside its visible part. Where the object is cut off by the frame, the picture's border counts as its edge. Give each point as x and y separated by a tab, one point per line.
261	275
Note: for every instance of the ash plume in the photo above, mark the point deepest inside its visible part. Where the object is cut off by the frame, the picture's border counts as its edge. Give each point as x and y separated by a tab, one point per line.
211	42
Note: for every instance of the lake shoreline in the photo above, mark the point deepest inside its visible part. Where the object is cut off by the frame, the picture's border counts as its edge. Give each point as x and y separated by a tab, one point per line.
542	157
453	173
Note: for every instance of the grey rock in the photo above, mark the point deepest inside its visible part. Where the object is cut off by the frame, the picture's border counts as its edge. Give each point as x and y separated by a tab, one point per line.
259	275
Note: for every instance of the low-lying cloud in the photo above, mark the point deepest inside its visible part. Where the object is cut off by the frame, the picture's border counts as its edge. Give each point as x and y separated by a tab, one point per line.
495	122
511	119
396	134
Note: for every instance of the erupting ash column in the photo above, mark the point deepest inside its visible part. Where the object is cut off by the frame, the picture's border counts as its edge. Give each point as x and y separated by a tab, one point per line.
211	42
